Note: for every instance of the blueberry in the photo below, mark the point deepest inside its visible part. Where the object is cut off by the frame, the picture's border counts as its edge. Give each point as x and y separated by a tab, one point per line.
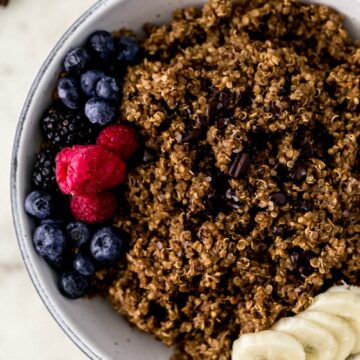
108	89
39	204
76	61
106	246
68	92
128	50
88	81
63	262
99	111
101	44
78	233
83	265
58	222
73	285
49	242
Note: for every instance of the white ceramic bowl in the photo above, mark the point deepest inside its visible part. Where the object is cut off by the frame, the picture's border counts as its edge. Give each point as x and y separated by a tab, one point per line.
93	325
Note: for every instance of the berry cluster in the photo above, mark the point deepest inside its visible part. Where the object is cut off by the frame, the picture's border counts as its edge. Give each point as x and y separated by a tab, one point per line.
91	82
71	248
88	172
88	94
83	157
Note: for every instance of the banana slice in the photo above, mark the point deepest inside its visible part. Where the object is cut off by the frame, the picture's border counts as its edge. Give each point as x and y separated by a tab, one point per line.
350	289
354	357
346	305
318	343
267	345
339	328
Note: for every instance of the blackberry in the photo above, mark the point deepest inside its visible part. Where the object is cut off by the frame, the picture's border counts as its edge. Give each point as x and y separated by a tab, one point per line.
64	127
44	170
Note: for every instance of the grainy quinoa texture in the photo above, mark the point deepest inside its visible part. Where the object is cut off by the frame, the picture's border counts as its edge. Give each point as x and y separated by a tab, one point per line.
247	202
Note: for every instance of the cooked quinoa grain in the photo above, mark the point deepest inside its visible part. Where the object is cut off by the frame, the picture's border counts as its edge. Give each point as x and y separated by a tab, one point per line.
246	203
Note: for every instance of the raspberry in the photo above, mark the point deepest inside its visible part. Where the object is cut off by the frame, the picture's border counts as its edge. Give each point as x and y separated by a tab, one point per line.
94	208
120	139
88	169
62	162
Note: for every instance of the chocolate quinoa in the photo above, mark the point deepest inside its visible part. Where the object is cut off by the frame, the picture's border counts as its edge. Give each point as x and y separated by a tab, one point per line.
247	202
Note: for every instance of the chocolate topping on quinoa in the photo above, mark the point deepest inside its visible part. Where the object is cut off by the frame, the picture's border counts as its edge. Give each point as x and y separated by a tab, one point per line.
250	203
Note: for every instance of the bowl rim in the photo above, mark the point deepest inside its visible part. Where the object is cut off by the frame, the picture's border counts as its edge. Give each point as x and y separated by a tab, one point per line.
17	221
16	216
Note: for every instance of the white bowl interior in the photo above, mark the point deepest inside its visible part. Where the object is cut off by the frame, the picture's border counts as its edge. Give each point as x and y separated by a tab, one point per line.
93	325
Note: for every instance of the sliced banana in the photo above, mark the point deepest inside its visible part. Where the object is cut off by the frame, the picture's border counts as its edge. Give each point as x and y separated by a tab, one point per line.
346	305
339	328
350	289
318	343
354	357
267	345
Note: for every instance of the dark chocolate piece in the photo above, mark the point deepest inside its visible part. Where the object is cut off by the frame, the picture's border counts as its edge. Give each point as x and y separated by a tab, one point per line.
299	173
240	165
193	134
148	156
278	198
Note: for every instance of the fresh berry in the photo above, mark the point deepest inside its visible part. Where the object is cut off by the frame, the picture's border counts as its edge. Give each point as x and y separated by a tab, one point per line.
88	169
99	111
44	170
83	265
76	61
120	139
88	82
94	208
73	285
58	222
101	45
64	127
108	89
49	242
106	246
128	50
68	92
62	162
78	233
39	204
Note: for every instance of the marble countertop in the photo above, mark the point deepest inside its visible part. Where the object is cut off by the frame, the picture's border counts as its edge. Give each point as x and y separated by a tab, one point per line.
28	30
